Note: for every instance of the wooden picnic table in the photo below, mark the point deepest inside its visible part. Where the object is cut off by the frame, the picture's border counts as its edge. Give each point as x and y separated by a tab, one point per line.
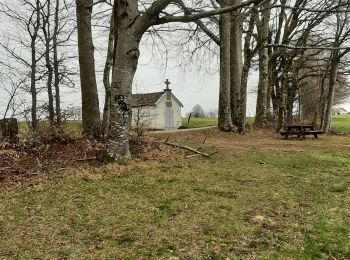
300	131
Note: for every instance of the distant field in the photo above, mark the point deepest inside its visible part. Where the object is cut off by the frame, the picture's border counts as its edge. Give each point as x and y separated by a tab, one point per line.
341	123
201	122
198	122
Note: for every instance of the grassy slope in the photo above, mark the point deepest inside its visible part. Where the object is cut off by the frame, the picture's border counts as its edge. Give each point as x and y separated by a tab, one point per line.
252	199
341	123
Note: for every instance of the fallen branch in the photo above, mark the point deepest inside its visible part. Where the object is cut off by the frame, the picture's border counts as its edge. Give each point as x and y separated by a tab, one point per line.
200	147
8	169
86	159
187	148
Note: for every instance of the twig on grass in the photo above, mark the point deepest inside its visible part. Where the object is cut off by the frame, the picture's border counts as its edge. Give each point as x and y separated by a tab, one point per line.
187	148
8	169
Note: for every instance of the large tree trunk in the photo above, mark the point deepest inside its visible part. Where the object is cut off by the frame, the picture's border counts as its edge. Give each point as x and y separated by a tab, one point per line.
56	65
236	63
331	90
106	79
225	123
90	104
263	37
124	68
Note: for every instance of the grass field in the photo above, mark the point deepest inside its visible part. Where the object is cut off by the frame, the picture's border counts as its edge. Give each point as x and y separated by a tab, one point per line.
198	122
257	197
341	123
201	122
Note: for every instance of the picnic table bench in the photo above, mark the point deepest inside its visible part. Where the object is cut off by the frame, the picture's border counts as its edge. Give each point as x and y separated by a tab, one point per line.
300	131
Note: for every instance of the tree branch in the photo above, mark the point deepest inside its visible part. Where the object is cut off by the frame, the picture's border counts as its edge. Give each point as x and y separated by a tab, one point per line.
194	17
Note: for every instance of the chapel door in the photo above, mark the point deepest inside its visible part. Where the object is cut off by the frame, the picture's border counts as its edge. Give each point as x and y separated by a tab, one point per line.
169	118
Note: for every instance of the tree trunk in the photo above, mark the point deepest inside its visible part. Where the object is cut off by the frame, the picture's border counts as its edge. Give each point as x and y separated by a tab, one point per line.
126	57
291	96
322	100
90	104
248	55
235	63
331	90
282	100
9	130
56	65
126	60
263	37
49	88
33	90
106	80
47	35
225	123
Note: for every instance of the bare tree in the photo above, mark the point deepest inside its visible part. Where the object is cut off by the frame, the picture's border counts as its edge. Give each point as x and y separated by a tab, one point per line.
46	28
197	111
30	21
342	34
90	103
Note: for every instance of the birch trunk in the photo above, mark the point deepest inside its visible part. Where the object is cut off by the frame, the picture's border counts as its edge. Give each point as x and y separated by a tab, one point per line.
90	104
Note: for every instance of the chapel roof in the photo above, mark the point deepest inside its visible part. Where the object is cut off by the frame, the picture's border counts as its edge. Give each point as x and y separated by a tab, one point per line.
146	99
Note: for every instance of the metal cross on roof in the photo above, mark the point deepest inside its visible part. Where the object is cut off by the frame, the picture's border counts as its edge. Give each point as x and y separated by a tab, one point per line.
167	83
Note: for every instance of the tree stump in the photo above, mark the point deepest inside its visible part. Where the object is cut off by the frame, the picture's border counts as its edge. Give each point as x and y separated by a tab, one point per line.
9	130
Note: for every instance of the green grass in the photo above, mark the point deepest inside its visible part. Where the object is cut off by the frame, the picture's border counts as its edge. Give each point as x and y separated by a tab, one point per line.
341	123
202	122
70	127
198	122
194	208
